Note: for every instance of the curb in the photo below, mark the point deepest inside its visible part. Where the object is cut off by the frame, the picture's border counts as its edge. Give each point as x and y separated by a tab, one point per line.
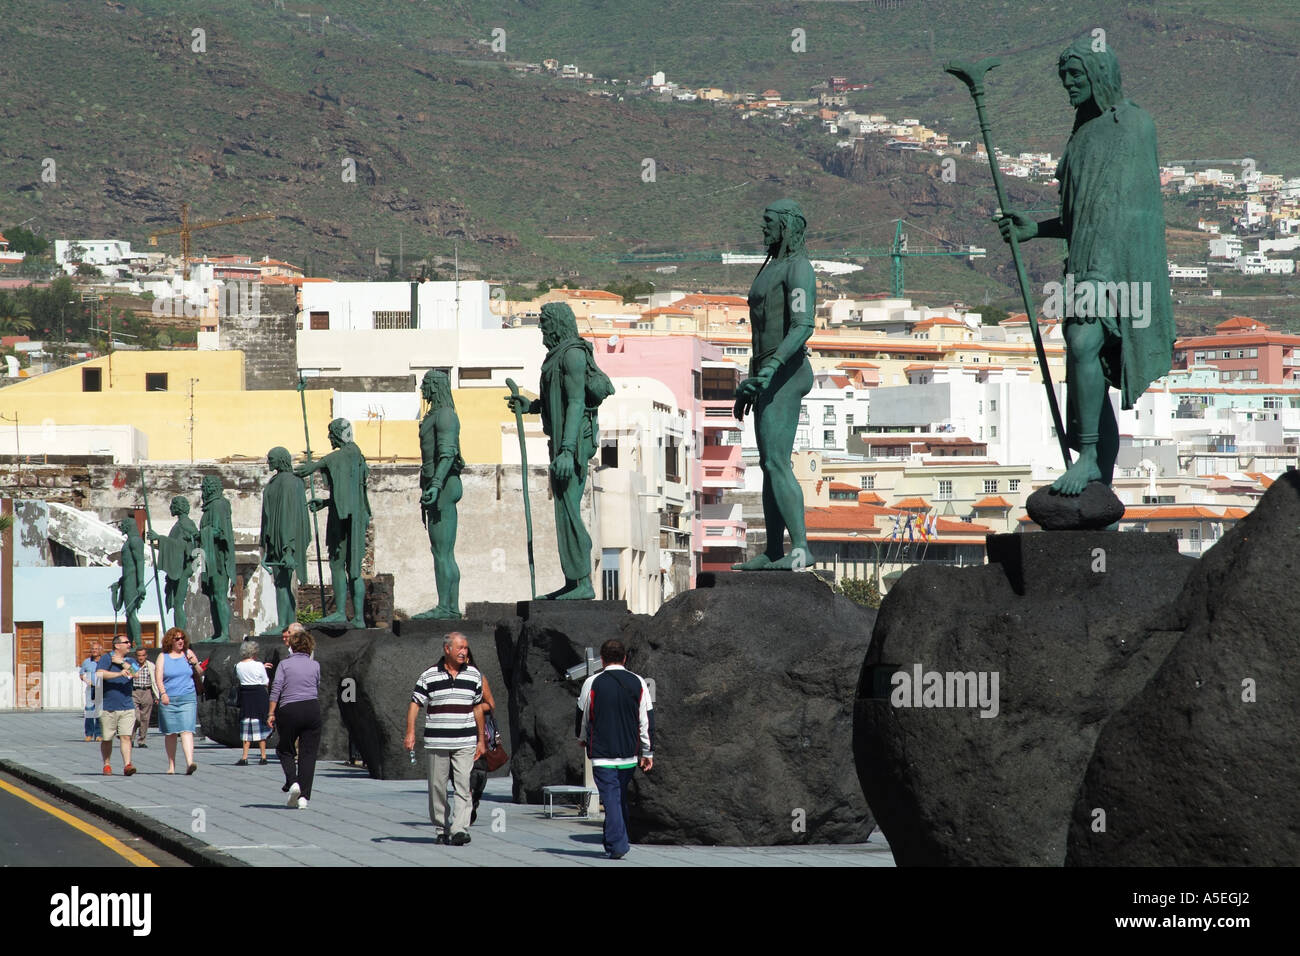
178	844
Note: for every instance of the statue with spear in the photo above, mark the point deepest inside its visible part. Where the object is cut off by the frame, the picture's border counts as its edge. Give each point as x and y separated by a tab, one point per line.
1116	307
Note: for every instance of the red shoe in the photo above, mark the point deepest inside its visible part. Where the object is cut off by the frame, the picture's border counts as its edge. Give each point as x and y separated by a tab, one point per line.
128	770
108	770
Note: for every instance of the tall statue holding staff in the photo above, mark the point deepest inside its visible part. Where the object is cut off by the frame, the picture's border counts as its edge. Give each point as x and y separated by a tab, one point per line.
176	558
572	388
1119	323
128	593
781	304
217	536
440	488
285	534
346	473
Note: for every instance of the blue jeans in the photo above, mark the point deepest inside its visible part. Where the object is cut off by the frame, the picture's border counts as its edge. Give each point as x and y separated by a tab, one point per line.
612	785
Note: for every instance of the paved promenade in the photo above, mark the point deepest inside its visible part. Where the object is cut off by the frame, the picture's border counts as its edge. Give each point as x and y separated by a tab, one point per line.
353	820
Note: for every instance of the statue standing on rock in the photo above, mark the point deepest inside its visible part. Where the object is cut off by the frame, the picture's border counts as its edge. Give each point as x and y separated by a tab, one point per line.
781	316
217	535
176	558
572	388
440	489
128	592
1119	322
285	534
346	473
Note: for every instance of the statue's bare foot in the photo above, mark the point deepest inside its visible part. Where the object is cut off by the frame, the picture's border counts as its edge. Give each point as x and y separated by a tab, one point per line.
759	563
338	617
581	591
1078	475
796	560
357	623
433	614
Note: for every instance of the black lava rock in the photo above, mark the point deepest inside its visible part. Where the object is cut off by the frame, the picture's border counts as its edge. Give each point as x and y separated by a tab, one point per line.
1073	624
1200	769
1094	509
754	681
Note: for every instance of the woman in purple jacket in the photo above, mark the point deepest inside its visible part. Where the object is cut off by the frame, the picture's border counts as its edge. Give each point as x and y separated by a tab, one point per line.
295	708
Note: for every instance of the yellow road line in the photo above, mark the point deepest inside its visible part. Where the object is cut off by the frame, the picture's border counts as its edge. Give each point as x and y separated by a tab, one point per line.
113	843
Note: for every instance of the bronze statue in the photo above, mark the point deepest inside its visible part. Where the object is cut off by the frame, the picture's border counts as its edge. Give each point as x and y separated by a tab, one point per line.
176	558
440	488
346	473
572	388
128	592
285	534
217	537
1119	324
781	310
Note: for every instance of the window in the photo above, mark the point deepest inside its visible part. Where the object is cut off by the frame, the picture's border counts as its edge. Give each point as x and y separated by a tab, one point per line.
980	410
1272	401
155	381
993	404
320	321
91	380
1252	353
1013	484
848	420
671	472
1194	534
609	574
803	414
697	387
828	438
1178	533
828	415
848	394
993	431
868	482
609	454
475	375
945	489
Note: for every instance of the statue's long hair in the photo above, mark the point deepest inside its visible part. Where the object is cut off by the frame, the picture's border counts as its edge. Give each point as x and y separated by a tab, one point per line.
341	429
439	383
793	227
211	488
1102	68
559	319
279	459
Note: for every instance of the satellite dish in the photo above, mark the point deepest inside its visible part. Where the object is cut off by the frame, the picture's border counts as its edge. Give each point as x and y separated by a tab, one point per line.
613	340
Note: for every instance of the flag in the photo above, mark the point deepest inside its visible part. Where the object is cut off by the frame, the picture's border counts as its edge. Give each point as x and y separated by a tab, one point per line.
908	527
924	531
894	534
934	524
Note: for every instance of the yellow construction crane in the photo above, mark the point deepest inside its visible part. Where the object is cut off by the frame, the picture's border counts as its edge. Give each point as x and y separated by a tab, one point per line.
186	227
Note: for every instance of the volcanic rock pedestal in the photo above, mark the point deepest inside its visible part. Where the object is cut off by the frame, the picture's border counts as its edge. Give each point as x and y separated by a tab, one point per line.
553	636
1072	624
754	676
1200	769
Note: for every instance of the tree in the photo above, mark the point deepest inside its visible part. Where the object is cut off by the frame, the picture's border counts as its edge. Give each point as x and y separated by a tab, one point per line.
860	591
24	240
991	314
14	317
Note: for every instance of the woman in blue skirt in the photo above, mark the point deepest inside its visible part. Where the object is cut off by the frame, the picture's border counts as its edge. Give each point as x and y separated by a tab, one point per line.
176	669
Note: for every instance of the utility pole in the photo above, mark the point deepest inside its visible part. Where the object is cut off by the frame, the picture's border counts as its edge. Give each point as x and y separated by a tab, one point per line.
191	421
456	247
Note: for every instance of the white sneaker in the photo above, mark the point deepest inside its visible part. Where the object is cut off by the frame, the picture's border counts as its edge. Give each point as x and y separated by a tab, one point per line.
302	803
294	792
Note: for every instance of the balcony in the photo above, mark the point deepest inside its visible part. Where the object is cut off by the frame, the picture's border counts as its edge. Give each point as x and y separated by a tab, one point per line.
720	416
722	467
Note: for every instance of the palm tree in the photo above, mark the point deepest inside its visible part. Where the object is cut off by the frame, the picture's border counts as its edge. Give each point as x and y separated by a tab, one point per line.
14	319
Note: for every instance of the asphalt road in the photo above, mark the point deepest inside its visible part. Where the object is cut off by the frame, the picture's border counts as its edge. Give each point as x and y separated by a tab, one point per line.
38	829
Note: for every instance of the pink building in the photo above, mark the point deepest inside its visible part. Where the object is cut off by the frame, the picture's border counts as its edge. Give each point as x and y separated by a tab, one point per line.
703	383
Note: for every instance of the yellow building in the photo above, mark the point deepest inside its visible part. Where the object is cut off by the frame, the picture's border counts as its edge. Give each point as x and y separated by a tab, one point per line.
193	406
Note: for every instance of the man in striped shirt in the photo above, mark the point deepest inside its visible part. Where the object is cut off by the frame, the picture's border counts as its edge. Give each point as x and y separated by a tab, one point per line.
451	695
616	723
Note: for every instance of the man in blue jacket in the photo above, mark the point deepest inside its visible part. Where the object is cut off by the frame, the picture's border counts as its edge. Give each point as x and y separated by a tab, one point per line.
616	724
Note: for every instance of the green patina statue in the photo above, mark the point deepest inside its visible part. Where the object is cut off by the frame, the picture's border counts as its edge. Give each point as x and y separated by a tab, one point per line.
128	593
781	304
217	537
285	534
1119	323
176	558
572	388
440	488
346	473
